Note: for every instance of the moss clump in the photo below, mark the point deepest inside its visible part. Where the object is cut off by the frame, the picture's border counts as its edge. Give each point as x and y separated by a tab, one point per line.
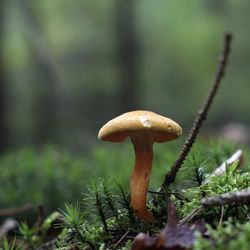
226	236
227	183
104	216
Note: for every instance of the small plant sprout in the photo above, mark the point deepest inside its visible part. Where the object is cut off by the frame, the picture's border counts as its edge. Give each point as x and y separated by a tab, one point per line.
198	167
28	234
5	245
144	128
74	220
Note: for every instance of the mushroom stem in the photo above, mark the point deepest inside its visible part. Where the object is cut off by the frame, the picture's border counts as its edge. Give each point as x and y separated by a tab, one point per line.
140	177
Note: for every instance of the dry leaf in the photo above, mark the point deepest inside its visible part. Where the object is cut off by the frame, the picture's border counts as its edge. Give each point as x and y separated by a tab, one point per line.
173	237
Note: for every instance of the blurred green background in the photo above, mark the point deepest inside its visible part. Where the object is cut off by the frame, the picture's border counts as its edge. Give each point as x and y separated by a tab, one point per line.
67	67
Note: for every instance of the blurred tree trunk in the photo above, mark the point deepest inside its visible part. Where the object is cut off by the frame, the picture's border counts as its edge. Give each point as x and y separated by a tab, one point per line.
127	55
45	76
3	125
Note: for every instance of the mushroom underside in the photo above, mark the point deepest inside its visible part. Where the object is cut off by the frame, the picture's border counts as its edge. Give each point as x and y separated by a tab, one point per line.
121	136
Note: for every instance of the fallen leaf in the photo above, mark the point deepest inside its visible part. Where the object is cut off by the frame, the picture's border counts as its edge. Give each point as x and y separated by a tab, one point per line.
174	236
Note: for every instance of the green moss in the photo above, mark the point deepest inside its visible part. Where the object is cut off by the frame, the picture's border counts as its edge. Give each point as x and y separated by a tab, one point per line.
227	183
225	236
105	215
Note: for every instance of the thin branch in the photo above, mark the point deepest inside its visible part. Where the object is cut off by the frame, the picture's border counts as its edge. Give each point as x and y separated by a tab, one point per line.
40	218
155	192
40	214
239	197
245	212
121	239
15	210
190	216
221	215
176	194
202	114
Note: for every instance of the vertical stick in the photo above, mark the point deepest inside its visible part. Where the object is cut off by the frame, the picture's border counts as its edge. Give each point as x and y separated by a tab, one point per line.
202	114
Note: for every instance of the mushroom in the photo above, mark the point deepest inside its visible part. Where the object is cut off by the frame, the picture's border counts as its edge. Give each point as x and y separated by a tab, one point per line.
144	128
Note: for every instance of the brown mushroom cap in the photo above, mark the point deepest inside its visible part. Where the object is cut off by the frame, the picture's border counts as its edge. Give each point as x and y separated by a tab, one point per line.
117	129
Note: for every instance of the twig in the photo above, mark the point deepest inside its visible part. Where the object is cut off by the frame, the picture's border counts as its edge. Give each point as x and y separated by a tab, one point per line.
39	218
176	194
128	237
15	210
221	215
40	215
155	192
239	197
190	216
202	113
122	238
245	212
